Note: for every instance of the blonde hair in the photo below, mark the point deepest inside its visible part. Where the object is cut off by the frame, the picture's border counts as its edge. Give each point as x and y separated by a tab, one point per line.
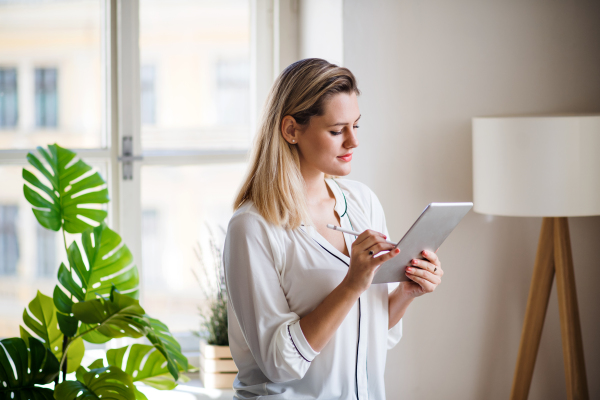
273	181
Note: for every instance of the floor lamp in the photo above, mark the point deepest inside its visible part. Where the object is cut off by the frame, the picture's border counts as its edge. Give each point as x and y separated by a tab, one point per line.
542	166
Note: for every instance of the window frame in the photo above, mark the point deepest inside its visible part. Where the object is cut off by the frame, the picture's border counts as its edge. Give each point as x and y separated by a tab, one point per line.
121	116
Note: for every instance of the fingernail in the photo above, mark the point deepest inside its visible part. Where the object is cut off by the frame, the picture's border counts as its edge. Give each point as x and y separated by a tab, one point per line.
408	269
385	237
424	252
397	251
414	262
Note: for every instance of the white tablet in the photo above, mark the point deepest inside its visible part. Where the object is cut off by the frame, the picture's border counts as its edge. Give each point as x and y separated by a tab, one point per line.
428	232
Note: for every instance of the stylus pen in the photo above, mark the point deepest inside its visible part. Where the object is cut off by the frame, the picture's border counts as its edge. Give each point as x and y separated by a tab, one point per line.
337	228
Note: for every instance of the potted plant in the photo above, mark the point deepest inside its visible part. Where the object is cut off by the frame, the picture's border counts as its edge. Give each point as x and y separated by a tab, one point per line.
217	368
94	301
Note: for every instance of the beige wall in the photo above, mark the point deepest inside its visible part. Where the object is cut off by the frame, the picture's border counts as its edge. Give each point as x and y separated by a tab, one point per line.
425	68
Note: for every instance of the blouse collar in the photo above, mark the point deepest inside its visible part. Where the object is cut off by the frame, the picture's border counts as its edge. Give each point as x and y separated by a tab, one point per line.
341	204
341	208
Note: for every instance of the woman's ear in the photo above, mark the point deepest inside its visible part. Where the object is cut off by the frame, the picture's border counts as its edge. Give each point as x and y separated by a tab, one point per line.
289	129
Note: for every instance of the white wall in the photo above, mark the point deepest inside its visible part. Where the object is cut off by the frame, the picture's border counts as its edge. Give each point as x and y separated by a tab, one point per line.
425	68
321	30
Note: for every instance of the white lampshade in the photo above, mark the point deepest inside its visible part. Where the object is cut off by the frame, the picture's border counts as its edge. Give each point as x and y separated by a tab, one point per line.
538	166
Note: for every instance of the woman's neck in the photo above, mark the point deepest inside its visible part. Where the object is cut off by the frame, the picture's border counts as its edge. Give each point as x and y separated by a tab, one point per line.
316	188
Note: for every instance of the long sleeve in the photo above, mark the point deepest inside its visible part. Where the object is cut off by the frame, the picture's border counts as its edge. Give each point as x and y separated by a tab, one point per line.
378	220
272	332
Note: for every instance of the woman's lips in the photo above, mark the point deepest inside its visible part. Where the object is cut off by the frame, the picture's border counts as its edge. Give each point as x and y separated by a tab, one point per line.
346	157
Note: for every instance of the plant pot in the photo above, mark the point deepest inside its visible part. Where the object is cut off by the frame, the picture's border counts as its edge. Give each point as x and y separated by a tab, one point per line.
217	368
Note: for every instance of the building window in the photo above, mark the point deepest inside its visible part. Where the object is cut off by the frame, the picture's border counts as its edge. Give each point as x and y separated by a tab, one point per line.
233	92
148	94
46	98
46	252
9	245
8	98
151	248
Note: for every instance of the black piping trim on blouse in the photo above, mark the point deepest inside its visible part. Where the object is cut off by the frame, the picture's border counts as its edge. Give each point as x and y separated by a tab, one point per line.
324	248
359	315
289	333
357	344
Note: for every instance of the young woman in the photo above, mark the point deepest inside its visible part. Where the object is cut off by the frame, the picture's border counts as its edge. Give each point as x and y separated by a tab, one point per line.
304	320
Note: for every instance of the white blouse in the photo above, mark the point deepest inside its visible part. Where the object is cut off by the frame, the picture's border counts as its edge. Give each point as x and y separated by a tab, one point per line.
274	276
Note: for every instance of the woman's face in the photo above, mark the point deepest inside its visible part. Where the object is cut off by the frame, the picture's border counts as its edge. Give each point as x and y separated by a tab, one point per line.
326	144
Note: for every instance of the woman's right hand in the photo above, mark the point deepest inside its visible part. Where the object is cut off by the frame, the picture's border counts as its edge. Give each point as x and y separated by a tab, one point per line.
364	264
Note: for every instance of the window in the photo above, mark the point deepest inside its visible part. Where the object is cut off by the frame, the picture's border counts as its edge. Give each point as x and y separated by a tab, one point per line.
55	52
47	261
46	99
9	245
151	248
173	79
233	92
148	95
200	99
186	206
201	51
178	88
8	98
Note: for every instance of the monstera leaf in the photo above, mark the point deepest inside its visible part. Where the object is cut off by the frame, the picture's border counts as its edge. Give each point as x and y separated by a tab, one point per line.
144	363
99	363
118	316
33	366
159	335
110	263
97	383
44	324
72	193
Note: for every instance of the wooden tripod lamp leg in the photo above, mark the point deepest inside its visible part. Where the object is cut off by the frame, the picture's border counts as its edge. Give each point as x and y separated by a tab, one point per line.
537	304
569	313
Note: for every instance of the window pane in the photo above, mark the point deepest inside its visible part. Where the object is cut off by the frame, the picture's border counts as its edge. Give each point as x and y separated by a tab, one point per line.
8	98
148	95
47	249
195	76
45	97
29	254
183	209
50	73
9	245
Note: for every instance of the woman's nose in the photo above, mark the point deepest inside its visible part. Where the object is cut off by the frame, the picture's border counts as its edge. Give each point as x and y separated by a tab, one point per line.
352	139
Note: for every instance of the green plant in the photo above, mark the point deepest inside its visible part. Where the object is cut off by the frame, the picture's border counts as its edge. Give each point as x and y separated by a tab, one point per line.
95	301
213	314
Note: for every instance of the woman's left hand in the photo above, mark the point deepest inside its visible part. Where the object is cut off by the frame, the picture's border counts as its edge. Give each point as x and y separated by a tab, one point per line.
425	275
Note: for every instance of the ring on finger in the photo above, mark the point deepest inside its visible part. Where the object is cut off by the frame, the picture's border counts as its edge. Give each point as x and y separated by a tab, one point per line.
435	269
371	252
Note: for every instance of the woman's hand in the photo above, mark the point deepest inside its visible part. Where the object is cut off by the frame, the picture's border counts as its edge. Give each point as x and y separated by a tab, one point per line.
425	275
363	260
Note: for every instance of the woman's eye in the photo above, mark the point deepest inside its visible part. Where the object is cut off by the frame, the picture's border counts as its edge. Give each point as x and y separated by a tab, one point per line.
335	133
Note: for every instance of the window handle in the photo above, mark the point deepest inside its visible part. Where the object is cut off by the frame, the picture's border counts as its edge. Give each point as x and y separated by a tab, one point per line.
127	158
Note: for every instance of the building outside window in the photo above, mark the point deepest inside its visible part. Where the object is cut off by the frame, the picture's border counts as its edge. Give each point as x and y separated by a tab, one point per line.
9	245
8	98
233	92
151	248
148	94
47	264
46	98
